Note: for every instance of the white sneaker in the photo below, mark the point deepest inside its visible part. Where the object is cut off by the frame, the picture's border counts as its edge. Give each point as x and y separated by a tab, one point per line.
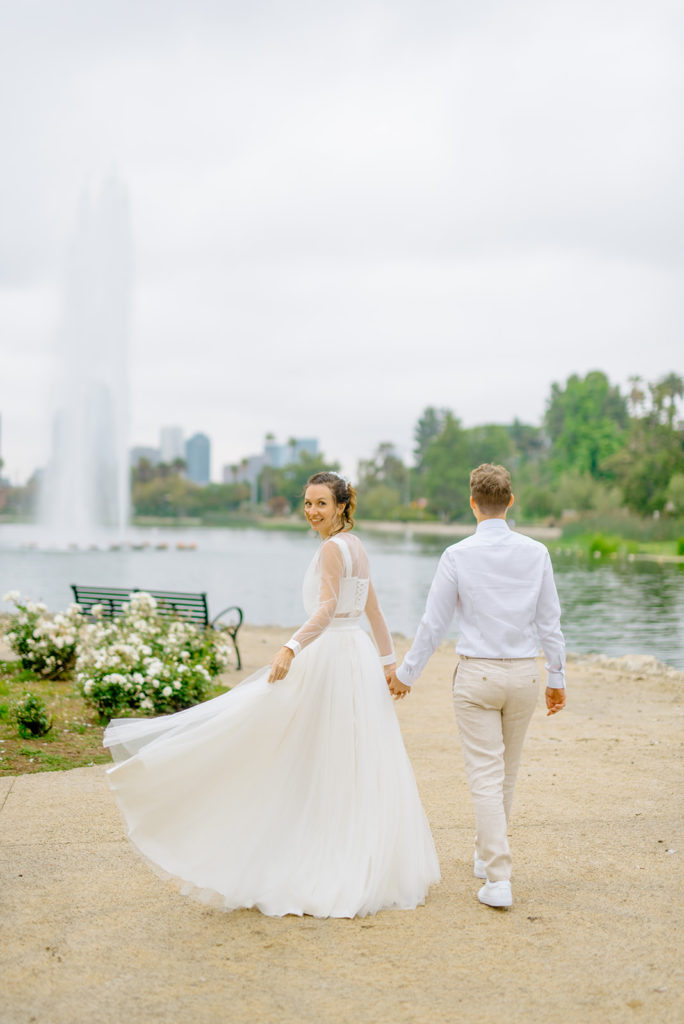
496	894
479	867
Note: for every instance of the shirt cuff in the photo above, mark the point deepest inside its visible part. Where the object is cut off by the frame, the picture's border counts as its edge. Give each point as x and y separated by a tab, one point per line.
388	659
555	680
294	646
400	673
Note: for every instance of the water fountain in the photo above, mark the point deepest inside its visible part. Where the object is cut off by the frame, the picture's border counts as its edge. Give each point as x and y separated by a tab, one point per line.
85	490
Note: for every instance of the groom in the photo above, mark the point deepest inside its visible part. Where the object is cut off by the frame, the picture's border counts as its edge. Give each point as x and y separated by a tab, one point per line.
501	584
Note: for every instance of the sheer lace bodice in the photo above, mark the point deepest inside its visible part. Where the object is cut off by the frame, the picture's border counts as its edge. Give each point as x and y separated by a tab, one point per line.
338	587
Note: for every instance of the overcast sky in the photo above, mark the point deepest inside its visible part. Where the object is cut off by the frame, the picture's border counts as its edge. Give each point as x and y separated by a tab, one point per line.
343	213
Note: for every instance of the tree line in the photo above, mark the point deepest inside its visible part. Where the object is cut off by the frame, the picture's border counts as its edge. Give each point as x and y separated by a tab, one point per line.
597	450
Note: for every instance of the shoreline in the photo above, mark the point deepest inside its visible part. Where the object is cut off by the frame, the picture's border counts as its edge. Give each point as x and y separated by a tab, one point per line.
456	530
297	524
389	528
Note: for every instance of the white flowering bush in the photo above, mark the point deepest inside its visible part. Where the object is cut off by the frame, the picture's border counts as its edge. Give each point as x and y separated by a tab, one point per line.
146	661
47	644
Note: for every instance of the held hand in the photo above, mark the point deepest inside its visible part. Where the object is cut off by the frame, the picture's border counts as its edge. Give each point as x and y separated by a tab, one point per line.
280	665
396	687
389	671
555	700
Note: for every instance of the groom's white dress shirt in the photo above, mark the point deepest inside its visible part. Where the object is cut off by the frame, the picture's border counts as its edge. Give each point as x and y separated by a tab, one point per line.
501	586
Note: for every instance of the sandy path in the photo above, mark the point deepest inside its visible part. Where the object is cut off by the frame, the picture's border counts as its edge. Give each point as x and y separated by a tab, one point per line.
90	933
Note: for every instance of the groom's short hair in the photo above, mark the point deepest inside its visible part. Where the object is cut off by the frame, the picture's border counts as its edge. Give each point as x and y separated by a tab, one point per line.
490	488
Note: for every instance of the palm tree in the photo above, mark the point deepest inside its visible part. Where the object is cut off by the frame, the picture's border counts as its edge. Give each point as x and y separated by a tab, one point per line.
637	395
671	388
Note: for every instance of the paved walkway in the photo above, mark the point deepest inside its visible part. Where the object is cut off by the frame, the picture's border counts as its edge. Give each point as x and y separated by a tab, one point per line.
90	934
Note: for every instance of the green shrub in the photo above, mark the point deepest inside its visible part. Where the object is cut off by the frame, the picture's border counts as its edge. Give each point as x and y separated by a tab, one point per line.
680	545
30	716
675	493
602	545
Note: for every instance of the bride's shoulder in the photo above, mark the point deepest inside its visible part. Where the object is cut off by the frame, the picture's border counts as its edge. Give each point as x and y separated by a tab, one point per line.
349	545
345	544
332	548
345	539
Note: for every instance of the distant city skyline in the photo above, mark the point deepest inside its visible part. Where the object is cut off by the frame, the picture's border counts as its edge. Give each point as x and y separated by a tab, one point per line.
196	453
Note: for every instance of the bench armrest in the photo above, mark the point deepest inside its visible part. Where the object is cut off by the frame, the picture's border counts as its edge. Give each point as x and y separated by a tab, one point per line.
232	626
235	619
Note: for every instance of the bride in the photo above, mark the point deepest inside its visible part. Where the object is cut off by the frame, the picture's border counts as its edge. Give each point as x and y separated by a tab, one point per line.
292	792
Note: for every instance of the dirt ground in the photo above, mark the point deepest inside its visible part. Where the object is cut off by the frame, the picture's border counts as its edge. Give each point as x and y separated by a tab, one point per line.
595	934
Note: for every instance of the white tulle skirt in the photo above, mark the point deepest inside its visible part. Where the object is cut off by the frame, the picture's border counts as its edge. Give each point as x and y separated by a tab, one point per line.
295	797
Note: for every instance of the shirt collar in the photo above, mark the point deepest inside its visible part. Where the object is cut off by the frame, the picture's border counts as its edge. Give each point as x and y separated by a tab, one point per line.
492	524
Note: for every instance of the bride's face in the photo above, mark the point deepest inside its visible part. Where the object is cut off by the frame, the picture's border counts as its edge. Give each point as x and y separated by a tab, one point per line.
321	510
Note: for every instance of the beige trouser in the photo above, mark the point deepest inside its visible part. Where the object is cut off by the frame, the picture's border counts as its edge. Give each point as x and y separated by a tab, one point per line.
493	699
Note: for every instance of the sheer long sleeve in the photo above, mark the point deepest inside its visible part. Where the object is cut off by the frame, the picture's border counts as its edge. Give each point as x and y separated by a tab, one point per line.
331	572
381	633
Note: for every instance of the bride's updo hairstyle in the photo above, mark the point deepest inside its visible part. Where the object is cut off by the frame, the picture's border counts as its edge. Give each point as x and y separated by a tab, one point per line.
342	492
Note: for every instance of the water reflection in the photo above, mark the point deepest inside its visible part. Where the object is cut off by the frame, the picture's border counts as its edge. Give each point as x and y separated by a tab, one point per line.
623	607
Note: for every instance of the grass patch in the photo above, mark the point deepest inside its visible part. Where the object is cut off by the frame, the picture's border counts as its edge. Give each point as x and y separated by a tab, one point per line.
610	545
645	531
62	747
47	761
75	739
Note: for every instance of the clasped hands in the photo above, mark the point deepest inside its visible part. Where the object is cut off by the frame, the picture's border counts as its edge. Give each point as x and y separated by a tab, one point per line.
395	685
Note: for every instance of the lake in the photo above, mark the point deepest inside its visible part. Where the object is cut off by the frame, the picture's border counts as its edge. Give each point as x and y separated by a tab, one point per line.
611	608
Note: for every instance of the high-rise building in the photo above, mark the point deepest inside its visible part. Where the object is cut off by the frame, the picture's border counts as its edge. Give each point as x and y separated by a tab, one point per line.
274	455
280	455
141	451
198	458
171	444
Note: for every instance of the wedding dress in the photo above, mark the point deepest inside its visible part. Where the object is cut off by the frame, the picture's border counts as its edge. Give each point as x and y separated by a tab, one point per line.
296	797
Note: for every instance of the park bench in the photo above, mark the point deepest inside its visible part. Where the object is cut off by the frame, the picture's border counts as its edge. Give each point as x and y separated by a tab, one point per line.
192	607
